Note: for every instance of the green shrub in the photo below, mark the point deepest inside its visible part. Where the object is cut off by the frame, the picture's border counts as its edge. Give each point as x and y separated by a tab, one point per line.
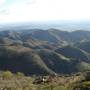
7	75
20	74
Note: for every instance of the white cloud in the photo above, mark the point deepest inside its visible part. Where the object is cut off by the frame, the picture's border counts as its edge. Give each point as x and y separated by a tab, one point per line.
39	10
2	2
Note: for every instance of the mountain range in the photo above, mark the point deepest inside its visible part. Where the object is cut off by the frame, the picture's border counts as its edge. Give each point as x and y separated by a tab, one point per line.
39	52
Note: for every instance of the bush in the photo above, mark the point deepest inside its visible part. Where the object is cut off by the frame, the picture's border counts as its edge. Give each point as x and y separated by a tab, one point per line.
20	74
7	75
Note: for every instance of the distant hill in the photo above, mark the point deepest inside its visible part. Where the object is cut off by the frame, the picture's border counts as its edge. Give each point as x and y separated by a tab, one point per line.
54	35
49	51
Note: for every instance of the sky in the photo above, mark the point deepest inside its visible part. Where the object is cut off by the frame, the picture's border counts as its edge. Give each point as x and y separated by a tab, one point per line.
43	10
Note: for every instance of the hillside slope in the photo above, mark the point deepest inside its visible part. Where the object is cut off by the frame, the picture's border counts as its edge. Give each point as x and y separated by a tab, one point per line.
44	52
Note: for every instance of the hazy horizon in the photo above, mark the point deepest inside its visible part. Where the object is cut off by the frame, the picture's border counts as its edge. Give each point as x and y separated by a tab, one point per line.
61	25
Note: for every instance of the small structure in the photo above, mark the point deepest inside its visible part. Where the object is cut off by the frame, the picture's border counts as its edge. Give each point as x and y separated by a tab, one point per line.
43	79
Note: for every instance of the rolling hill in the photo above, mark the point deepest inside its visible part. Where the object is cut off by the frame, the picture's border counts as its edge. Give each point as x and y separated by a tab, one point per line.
44	51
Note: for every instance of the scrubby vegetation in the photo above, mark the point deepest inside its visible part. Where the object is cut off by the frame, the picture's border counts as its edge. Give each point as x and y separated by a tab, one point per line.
18	81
